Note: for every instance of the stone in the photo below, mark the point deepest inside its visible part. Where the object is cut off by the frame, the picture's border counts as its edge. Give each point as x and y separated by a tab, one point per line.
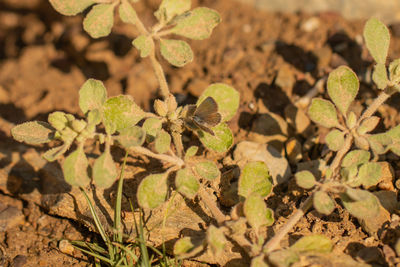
10	217
310	24
65	247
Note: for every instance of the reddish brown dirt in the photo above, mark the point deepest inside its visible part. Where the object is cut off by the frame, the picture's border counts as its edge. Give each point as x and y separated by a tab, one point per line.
45	58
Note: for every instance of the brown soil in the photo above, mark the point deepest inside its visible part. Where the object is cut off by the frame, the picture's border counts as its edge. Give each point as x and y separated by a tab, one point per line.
46	57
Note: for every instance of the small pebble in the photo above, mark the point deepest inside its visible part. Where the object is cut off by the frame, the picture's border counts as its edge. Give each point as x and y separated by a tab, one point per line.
310	24
65	247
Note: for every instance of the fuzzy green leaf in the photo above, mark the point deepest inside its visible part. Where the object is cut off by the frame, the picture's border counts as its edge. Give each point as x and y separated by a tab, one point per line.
305	179
121	112
186	183
163	142
368	125
58	120
33	132
132	136
176	52
104	170
191	151
152	191
144	44
226	97
152	126
323	112
207	170
356	157
55	153
171	8
127	13
257	213
370	173
75	168
255	178
197	24
259	261
216	240
351	120
379	76
221	141
70	7
94	117
378	142
313	243
92	95
283	257
183	246
335	140
323	203
99	21
360	203
394	71
377	39
343	87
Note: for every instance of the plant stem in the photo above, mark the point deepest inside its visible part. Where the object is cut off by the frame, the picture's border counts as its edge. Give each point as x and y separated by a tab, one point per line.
176	136
341	153
375	105
117	215
174	160
216	212
273	243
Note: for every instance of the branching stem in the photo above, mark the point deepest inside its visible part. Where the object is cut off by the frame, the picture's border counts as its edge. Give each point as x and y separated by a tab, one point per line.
142	150
211	204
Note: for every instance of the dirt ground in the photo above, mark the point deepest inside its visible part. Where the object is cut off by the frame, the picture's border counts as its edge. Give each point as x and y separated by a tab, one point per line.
271	59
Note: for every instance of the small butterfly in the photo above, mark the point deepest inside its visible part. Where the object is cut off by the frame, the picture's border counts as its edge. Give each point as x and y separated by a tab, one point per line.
205	116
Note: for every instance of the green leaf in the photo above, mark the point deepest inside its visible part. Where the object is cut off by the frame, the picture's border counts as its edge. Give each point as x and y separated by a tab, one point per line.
226	97
176	52
259	261
92	95
368	125
305	179
361	142
197	24
58	120
351	120
349	175
221	141
378	142
323	112
255	178
33	132
132	136
360	203
183	246
163	142
343	87
370	173
171	8
216	240
379	76
127	13
335	140
207	170
356	157
394	71
99	21
75	168
257	213
323	203
152	126
55	153
152	191
94	117
283	258
186	183
313	243
377	39
70	7
121	112
191	151
104	170
144	44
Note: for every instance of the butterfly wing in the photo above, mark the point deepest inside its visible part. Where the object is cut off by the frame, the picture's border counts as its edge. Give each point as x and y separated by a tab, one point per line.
207	113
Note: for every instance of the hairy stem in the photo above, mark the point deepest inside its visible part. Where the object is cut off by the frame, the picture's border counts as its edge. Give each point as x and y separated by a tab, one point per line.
341	153
176	136
212	205
142	150
375	105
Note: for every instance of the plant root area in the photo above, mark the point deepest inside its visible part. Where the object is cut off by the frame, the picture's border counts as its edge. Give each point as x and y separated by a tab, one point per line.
273	60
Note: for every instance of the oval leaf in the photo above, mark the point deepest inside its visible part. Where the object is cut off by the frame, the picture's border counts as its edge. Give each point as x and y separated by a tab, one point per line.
370	173
104	170
216	240
335	140
259	261
356	157
368	125
379	76
221	141
70	7
144	44
99	21
183	245
305	179
198	24
92	95
163	142
257	213
394	71
121	112
361	203
186	183
152	126
75	168
323	203
255	178
33	132
171	8
56	152
323	112
152	191
191	151
313	243
132	136
343	87
207	170
377	39
176	52
226	97
127	13
351	120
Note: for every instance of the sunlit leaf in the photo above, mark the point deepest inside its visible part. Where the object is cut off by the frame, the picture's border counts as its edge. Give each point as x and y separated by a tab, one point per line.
163	142
221	141
370	173
335	140
351	120
313	243
176	52
379	76
377	39
305	179
254	178
33	132
258	261
71	7
75	168
186	183
323	112
132	136
356	157
152	126
323	203
283	258
360	203
183	246
191	151
368	125
257	213
55	153
216	240
152	191
92	95
99	21
127	13
144	44
207	170
170	8
104	170
394	71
